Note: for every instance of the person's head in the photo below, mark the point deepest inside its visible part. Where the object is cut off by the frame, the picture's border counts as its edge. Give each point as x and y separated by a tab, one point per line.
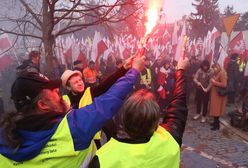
216	68
174	63
119	63
34	56
35	93
205	65
160	61
92	65
23	68
166	64
147	63
140	114
234	56
152	58
72	81
78	64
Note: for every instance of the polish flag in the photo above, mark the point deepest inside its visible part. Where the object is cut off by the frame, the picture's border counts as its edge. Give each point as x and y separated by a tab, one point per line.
174	35
101	48
215	34
68	57
237	45
126	54
82	58
223	58
4	42
5	61
179	50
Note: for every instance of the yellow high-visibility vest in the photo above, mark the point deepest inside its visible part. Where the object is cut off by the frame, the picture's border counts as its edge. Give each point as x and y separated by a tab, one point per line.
162	151
58	152
146	78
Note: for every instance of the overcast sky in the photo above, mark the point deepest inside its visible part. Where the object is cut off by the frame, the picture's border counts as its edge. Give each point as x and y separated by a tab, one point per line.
175	9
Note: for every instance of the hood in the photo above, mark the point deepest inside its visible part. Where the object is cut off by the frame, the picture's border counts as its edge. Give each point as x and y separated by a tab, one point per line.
33	143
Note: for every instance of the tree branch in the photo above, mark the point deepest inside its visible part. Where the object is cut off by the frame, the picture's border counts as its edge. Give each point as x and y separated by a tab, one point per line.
31	12
20	34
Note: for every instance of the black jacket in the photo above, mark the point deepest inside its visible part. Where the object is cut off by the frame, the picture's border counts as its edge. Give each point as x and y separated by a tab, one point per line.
176	115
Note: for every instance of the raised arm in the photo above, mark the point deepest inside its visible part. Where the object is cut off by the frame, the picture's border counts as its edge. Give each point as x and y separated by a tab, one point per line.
85	122
176	115
107	83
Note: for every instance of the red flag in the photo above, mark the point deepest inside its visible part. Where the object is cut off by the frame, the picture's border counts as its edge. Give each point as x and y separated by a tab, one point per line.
5	61
101	48
82	58
68	57
192	49
126	54
226	62
4	43
209	57
215	34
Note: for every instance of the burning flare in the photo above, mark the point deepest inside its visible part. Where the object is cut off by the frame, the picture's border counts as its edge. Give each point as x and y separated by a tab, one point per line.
152	14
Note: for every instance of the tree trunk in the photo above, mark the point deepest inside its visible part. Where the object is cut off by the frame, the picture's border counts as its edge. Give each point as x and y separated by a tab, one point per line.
48	37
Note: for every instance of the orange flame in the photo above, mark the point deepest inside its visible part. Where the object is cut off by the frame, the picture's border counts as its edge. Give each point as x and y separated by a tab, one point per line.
152	15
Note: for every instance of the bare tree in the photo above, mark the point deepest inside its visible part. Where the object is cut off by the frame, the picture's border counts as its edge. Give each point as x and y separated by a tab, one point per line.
45	20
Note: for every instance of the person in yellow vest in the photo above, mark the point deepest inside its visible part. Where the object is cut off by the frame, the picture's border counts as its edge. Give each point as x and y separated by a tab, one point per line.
79	96
73	82
145	77
141	141
45	132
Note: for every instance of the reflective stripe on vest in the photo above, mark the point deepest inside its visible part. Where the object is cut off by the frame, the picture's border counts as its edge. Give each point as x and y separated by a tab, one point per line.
58	152
162	151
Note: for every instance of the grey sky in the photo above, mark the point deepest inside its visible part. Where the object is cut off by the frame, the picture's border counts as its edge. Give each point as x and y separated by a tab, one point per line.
175	9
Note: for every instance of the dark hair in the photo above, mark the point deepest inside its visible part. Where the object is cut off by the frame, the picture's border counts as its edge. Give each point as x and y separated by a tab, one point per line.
33	54
205	63
9	122
119	61
140	114
77	62
91	62
234	56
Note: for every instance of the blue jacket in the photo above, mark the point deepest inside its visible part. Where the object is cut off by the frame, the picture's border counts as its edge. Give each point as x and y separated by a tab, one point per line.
83	123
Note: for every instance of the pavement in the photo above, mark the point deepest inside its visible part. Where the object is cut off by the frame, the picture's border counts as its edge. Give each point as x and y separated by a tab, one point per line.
204	148
225	121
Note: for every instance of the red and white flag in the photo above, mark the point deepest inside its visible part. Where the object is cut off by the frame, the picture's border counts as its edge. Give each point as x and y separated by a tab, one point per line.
180	43
5	61
101	48
237	45
82	58
215	34
174	35
4	42
68	57
223	57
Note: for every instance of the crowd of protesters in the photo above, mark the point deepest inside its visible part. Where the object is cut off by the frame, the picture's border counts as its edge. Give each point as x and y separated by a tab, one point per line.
158	77
50	131
91	96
